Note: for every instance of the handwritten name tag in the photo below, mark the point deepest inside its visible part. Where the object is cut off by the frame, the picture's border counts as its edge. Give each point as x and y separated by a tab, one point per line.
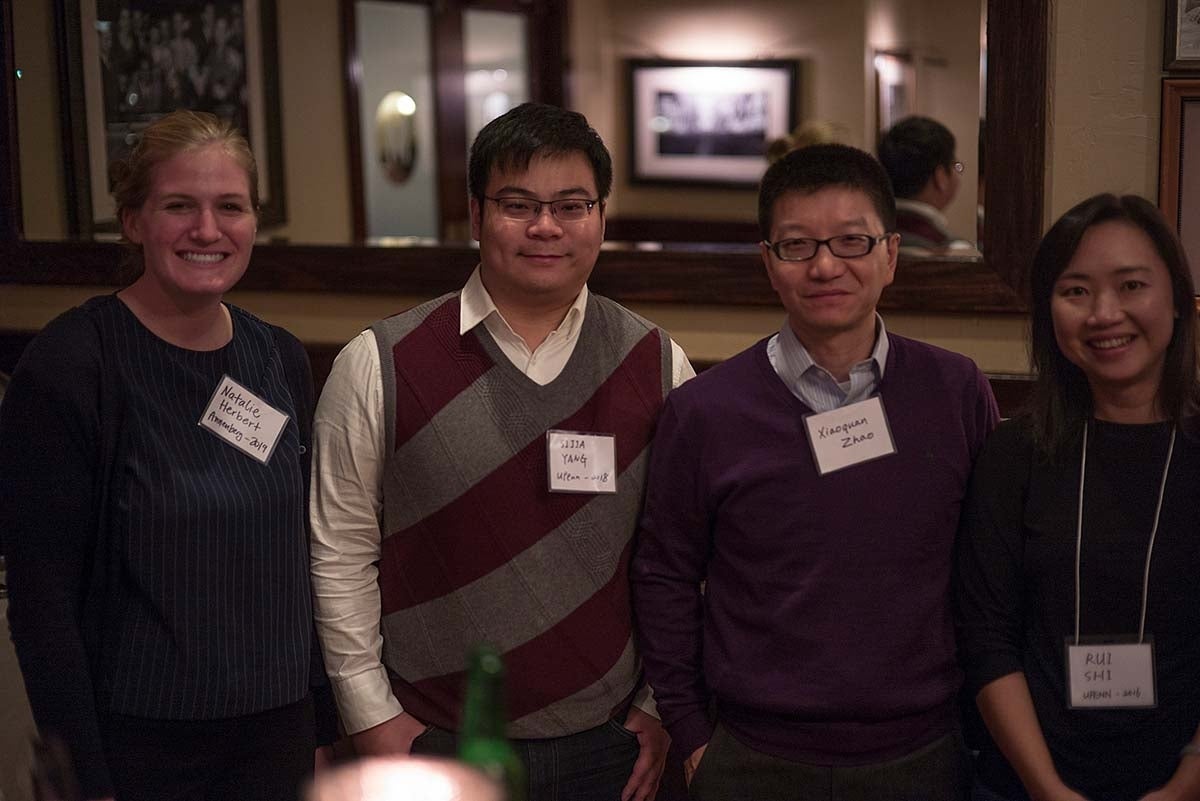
581	462
1111	675
850	435
243	420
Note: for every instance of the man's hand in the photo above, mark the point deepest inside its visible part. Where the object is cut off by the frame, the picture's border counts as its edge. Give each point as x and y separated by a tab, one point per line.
391	737
323	758
653	742
691	763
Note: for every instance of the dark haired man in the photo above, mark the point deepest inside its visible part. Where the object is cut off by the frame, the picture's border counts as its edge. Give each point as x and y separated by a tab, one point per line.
918	154
478	470
811	486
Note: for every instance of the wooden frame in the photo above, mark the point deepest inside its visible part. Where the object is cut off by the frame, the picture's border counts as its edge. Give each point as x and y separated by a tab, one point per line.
1181	35
11	224
1018	32
706	122
107	99
1179	163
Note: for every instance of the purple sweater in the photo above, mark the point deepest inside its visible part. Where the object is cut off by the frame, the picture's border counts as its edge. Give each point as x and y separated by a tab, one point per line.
824	634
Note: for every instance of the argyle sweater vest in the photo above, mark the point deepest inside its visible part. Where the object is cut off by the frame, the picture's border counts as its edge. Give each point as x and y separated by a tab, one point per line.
475	547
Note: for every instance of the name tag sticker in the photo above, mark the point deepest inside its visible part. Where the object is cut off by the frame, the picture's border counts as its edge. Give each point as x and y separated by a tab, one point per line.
1111	675
243	420
581	462
850	435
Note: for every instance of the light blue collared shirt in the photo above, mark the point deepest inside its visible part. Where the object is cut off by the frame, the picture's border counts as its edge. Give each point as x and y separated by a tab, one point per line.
816	386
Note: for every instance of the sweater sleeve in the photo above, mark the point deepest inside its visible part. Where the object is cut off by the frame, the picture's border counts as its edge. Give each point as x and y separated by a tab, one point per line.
50	446
299	375
980	412
988	580
673	546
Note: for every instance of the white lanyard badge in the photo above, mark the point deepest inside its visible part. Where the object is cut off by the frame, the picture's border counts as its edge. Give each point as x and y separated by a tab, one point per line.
1113	674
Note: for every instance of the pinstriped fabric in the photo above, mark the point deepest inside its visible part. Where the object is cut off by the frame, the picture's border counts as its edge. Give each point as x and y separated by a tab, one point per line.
211	614
478	549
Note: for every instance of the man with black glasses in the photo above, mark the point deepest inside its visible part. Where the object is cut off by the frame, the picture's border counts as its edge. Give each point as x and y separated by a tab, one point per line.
479	465
918	154
793	564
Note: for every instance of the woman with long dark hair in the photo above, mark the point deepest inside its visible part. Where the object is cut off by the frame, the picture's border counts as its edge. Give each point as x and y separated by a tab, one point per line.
1078	603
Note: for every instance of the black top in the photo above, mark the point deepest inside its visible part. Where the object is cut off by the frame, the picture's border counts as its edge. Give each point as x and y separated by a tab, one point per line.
154	570
1016	594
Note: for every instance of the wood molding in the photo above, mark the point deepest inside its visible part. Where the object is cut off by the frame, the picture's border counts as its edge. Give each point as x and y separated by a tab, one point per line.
11	217
717	275
1015	135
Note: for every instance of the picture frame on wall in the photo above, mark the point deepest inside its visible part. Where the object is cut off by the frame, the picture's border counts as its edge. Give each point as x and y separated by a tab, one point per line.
707	122
1179	163
1181	36
125	63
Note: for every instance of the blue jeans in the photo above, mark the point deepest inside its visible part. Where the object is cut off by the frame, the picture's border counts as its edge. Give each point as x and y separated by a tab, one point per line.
593	765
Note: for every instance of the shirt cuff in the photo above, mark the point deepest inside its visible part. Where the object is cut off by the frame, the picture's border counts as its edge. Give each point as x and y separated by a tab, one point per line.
365	700
644	700
690	732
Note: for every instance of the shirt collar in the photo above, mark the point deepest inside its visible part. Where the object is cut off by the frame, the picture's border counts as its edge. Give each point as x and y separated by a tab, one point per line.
800	360
927	211
476	306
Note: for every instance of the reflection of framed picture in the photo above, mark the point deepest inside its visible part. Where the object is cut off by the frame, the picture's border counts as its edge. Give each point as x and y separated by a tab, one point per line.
1179	163
707	122
895	87
128	62
1181	40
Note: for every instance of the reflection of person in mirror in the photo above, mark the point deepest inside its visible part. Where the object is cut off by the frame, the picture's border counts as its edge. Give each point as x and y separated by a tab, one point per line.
811	132
919	156
160	602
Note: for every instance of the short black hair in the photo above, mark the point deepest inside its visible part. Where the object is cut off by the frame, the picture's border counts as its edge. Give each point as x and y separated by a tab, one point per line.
912	149
510	142
1061	400
811	169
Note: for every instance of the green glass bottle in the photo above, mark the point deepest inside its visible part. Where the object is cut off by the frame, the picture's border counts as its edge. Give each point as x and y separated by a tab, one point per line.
482	742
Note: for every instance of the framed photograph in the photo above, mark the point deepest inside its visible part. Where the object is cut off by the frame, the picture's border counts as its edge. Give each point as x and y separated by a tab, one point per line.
1181	37
1179	163
707	122
125	63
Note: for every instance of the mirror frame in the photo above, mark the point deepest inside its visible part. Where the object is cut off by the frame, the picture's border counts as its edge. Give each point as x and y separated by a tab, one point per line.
1015	129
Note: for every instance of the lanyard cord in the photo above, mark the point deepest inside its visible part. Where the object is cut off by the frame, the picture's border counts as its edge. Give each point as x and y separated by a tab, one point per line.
1153	533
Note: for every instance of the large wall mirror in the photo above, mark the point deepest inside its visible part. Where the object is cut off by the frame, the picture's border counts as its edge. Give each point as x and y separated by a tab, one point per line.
858	64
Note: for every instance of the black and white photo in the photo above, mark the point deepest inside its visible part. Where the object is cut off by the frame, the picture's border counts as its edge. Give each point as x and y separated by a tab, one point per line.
707	122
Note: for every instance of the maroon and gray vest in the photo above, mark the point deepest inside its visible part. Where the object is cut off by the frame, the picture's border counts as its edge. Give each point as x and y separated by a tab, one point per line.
475	548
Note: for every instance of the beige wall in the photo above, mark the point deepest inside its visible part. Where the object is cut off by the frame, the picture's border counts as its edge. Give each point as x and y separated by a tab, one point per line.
1105	73
826	37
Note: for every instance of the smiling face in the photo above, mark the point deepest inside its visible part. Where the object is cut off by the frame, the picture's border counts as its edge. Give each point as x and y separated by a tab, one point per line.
1114	315
196	227
543	263
828	297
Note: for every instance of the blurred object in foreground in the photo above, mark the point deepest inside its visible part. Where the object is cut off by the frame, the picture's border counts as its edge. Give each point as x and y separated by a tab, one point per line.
483	743
404	779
